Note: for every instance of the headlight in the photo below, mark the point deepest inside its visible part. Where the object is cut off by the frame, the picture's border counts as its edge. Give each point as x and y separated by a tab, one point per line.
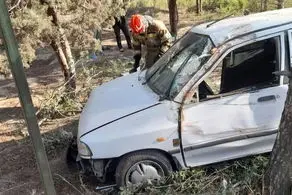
83	149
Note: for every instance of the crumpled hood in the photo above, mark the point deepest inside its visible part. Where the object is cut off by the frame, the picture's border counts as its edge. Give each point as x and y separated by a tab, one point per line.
114	100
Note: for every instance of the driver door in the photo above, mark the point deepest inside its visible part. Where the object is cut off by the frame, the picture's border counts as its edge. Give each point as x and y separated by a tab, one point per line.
242	120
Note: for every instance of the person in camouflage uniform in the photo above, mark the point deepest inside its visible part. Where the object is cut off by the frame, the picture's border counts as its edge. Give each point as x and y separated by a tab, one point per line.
151	33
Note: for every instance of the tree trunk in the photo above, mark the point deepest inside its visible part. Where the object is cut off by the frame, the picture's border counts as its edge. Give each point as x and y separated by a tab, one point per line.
266	5
278	177
280	4
173	16
68	54
197	6
66	50
62	59
200	6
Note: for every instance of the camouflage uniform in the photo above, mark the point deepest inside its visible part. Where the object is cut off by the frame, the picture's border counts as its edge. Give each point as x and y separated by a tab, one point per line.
157	40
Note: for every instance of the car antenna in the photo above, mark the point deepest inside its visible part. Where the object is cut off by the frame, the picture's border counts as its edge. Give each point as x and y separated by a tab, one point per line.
219	20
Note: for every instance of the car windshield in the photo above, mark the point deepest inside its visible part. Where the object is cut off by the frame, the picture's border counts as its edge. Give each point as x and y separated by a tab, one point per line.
177	66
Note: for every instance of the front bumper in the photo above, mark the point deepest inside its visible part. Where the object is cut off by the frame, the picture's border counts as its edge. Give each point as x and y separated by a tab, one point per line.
97	167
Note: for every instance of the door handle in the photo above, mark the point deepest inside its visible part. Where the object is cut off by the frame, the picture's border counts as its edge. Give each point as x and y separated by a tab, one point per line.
267	98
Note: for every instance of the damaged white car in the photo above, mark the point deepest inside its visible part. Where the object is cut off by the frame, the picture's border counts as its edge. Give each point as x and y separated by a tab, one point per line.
212	97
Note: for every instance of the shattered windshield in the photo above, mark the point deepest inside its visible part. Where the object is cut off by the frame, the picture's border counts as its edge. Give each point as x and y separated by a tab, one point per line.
176	67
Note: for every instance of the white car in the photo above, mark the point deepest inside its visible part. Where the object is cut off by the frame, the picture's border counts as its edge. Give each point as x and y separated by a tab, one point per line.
212	97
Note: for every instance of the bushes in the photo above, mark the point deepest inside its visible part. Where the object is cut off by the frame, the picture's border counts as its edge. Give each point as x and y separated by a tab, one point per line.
225	6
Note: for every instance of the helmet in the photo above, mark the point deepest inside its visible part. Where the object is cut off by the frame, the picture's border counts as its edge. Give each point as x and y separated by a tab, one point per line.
136	23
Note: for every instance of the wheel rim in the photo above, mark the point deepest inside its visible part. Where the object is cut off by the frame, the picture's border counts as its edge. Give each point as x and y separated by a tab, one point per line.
144	171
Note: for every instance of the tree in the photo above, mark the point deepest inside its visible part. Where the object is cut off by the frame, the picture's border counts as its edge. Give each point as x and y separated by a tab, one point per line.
278	177
64	25
266	5
280	4
173	16
198	6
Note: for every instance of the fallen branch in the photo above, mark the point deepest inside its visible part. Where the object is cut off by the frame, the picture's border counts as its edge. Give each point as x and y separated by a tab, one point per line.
68	183
13	7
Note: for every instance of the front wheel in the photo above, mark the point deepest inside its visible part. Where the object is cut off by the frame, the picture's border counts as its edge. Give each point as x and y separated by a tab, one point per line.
140	167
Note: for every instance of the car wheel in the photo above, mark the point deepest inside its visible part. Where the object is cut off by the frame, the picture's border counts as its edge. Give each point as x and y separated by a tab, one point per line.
140	167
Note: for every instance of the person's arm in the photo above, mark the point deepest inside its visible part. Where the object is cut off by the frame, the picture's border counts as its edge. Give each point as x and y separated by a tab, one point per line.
165	37
166	41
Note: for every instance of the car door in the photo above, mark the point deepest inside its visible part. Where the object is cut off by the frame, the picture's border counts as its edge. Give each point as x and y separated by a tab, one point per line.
290	45
238	123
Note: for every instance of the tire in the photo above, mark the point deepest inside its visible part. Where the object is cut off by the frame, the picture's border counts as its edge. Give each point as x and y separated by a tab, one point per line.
145	159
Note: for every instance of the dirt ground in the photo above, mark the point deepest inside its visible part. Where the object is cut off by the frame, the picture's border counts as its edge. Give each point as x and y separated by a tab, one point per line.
18	170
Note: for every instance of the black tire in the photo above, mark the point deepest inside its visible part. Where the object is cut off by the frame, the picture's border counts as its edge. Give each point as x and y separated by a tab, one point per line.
130	160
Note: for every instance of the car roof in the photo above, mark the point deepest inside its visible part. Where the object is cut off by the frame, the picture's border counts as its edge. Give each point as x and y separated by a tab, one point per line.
229	28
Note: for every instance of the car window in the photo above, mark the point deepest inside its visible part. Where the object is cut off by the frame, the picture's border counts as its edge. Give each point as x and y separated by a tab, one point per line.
247	67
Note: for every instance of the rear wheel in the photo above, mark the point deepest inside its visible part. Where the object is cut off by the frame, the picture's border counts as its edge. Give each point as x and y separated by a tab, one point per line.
140	167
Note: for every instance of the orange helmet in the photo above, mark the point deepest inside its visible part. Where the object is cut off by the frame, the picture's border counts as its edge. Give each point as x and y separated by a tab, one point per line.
136	23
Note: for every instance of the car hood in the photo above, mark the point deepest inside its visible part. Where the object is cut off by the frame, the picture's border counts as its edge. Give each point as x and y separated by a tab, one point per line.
113	100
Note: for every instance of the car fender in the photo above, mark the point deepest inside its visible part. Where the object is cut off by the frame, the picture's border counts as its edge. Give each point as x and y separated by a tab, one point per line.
153	128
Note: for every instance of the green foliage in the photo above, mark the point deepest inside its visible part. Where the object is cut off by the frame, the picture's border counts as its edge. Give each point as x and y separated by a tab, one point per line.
79	19
242	176
223	6
58	104
227	6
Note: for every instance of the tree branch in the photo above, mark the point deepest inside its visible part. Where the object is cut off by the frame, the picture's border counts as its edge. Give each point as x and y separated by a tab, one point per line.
13	7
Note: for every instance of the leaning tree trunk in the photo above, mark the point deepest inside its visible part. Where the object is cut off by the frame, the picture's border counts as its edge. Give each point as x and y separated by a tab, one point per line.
62	59
66	50
69	57
280	4
278	177
173	16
